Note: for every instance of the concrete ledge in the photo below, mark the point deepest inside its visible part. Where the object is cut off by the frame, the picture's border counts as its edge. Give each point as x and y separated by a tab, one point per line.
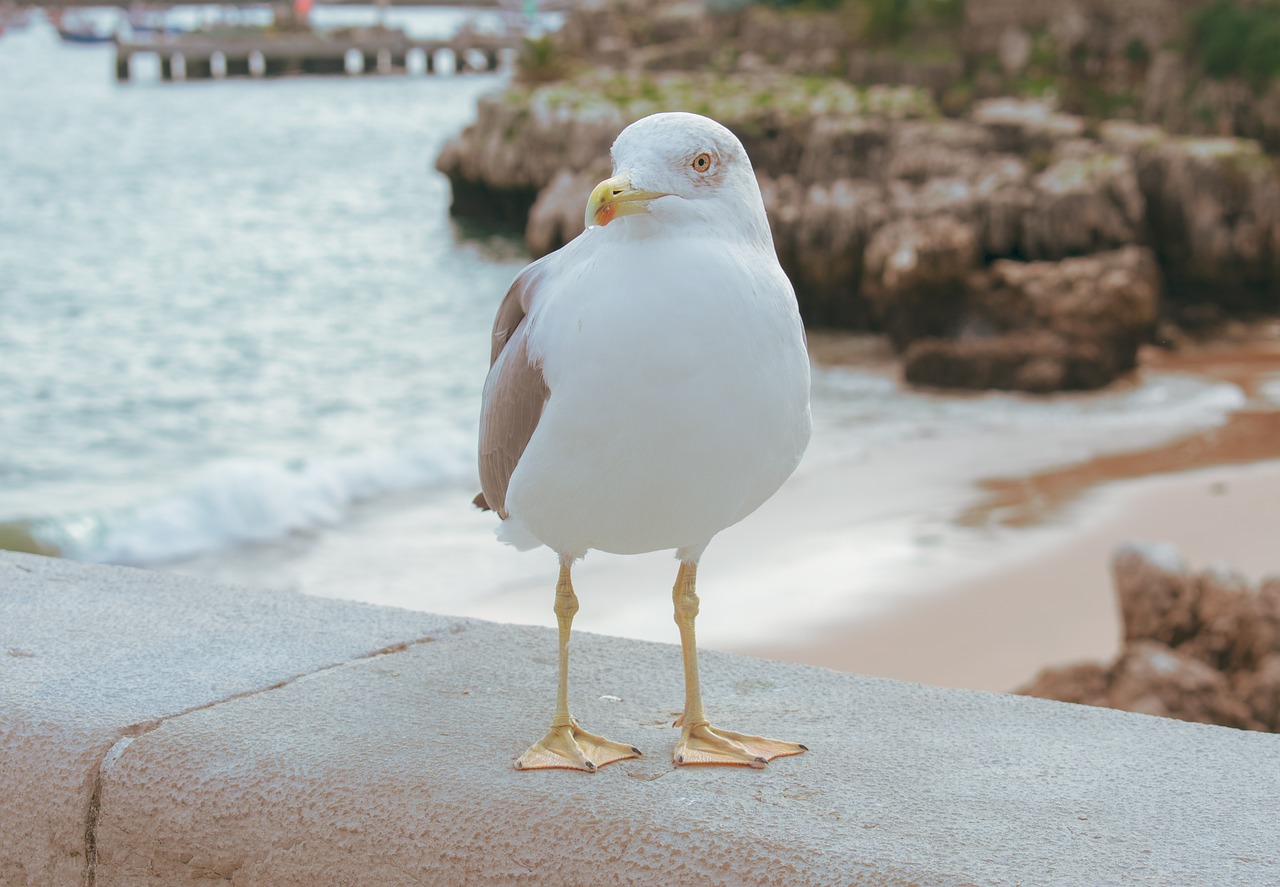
90	655
162	729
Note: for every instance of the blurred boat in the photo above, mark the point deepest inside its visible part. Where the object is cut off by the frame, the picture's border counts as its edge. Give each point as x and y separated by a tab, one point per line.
87	36
78	29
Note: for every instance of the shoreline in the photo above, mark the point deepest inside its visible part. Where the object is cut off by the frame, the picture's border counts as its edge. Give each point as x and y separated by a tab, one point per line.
1053	603
1050	600
1251	434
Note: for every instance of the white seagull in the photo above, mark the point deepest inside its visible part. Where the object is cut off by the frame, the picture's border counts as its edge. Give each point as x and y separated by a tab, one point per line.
649	387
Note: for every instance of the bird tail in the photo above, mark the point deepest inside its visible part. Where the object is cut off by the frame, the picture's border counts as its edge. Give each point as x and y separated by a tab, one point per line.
515	533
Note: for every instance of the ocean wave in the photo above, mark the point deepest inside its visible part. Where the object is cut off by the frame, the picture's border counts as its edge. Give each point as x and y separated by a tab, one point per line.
237	501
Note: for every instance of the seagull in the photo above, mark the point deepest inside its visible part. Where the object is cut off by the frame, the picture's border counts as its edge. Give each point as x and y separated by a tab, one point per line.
648	387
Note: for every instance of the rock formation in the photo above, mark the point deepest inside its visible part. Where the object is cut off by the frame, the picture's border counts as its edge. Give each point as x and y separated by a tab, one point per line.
1011	245
1198	646
1001	250
1140	57
1043	326
914	272
1215	217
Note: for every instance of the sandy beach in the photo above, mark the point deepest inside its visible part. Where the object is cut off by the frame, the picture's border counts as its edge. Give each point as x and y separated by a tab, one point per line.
1050	600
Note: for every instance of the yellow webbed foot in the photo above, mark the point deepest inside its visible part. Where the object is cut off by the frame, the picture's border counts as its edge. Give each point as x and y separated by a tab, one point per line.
704	744
569	747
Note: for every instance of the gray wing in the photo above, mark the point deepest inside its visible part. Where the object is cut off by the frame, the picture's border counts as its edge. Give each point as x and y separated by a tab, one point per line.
514	393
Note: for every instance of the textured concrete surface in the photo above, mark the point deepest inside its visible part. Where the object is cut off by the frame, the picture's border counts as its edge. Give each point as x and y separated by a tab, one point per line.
396	769
91	655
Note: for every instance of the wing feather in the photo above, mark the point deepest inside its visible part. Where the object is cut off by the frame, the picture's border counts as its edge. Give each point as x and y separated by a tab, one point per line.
514	393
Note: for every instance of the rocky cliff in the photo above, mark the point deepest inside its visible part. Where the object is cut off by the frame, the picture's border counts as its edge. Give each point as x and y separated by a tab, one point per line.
1204	67
1015	247
1198	646
1189	66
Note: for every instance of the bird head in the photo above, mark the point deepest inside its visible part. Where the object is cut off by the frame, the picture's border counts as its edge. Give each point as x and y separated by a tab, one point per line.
679	168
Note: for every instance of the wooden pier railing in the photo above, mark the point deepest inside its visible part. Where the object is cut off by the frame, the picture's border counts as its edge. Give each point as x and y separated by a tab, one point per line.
367	52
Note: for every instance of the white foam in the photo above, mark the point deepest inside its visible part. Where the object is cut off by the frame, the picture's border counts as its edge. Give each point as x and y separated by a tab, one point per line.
236	501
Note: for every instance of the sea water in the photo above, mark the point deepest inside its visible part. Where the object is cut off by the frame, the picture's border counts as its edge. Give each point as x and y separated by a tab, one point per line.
240	337
247	292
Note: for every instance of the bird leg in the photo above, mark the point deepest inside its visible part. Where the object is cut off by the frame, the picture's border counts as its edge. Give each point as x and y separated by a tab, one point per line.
566	745
700	743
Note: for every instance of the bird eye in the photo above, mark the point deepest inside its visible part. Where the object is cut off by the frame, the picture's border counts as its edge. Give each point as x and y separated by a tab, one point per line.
702	162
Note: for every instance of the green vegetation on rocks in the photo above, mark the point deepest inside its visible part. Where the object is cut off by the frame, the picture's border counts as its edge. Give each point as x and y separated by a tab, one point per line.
1233	39
886	21
724	98
540	61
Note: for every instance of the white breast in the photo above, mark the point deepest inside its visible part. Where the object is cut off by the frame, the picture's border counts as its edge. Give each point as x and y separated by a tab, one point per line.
679	396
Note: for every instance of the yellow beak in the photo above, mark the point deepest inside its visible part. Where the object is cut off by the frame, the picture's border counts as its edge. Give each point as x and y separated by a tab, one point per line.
615	197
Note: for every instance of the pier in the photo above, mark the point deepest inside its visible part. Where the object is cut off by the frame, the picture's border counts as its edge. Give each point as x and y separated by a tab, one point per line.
368	51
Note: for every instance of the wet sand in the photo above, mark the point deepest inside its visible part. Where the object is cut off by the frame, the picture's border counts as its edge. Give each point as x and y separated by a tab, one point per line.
1045	597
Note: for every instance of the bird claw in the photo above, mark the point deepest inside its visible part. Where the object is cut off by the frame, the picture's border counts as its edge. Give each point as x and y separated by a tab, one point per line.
569	747
704	744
